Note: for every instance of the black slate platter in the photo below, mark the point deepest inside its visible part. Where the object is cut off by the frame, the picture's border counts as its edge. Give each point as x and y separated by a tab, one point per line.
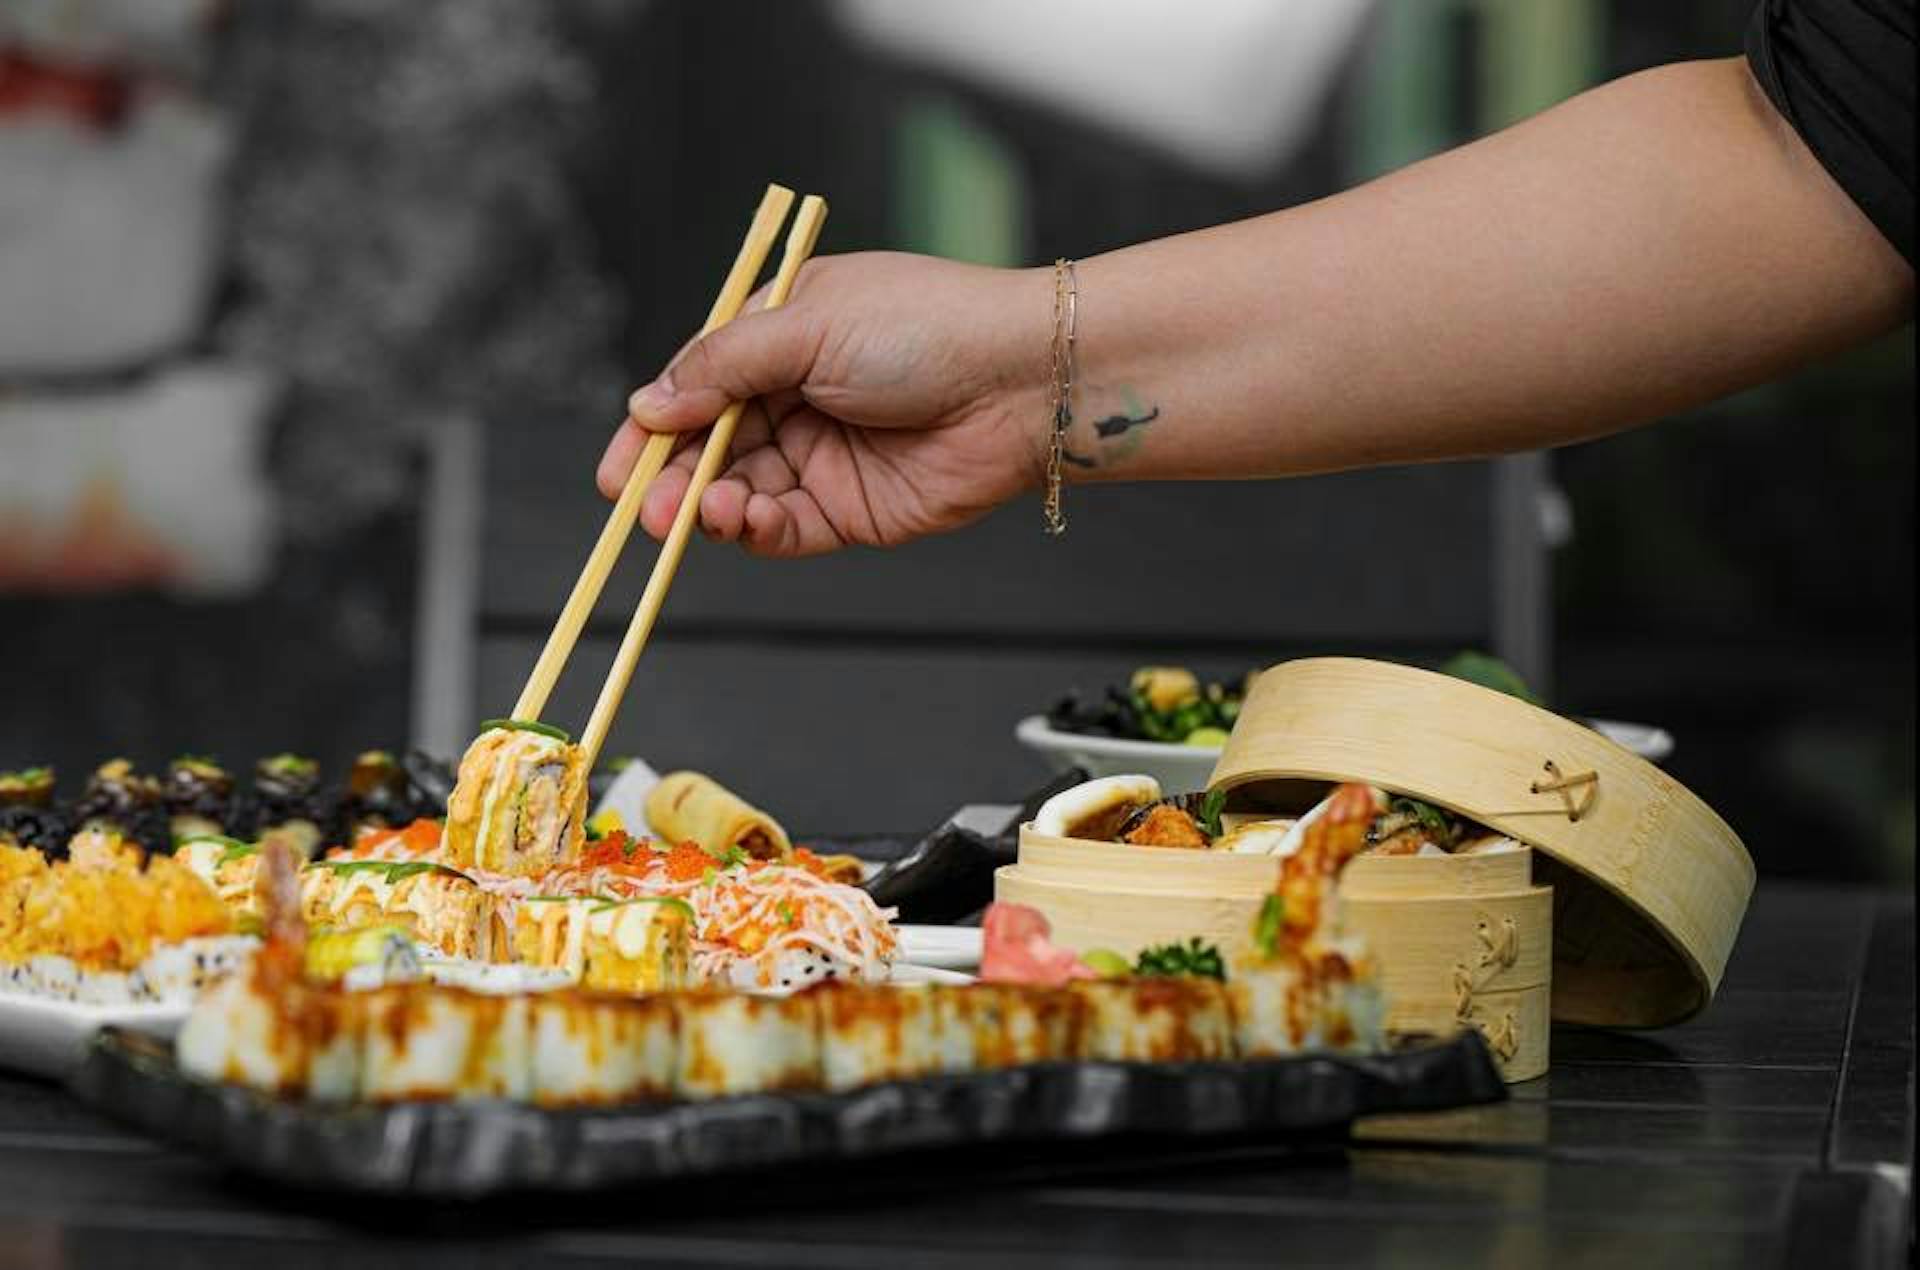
474	1149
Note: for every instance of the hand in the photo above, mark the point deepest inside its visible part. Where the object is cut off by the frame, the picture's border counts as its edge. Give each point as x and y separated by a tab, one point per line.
893	396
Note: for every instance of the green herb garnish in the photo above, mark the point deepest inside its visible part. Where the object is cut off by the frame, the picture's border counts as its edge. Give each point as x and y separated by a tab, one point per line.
732	857
1490	672
1268	925
528	725
1195	959
785	912
393	870
1210	808
686	909
234	849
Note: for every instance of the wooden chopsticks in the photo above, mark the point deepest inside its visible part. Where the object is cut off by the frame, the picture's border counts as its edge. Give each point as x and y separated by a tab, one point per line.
800	241
753	253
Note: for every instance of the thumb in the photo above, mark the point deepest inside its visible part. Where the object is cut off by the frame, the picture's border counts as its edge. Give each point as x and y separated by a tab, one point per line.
751	356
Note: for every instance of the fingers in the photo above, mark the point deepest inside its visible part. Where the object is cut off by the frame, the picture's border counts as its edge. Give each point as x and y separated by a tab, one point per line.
791	524
622	452
754	355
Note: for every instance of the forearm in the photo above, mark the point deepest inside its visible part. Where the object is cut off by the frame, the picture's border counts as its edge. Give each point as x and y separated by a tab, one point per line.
1647	246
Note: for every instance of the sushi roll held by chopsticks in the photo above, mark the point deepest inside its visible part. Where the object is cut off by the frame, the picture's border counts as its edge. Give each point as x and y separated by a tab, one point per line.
518	801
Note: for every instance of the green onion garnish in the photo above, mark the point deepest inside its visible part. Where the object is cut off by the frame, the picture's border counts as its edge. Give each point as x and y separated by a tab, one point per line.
528	725
670	901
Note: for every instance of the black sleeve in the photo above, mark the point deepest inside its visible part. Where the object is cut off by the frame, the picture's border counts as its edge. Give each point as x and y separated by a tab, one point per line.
1841	72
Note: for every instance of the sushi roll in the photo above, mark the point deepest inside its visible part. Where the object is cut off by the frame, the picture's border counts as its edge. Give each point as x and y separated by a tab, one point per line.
225	864
289	803
1276	1009
1154	1020
199	798
1316	998
500	1064
52	975
445	910
105	987
366	956
637	945
517	805
121	801
874	1033
175	972
426	1042
28	817
1012	1025
1354	1010
376	797
333	1027
243	1031
959	1027
598	1050
735	1043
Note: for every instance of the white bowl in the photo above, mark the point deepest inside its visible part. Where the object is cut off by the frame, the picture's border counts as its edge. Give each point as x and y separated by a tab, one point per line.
1652	744
1180	769
1183	769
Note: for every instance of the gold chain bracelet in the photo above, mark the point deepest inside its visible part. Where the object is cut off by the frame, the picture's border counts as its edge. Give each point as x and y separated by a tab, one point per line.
1066	304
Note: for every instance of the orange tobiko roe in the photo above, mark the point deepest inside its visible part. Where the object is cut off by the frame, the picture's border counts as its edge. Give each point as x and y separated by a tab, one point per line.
805	859
610	852
421	838
687	861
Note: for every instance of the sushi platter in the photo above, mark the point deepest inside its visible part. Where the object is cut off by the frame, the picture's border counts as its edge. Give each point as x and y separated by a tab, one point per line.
468	1149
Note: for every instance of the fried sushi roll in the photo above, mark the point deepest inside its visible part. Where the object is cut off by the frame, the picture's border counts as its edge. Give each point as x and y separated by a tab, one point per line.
637	945
199	798
1154	1020
517	805
593	1050
735	1043
689	807
225	864
873	1033
443	909
121	801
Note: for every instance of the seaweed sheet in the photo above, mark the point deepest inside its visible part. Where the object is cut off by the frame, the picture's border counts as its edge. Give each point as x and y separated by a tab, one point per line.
469	1150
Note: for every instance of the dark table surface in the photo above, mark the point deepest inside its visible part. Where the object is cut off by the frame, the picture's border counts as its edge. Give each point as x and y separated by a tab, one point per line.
1776	1129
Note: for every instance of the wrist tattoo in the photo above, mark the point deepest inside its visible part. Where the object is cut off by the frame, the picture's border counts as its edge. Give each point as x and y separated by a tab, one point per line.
1118	426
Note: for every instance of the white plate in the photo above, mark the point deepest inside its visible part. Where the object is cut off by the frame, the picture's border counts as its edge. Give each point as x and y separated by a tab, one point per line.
950	947
907	972
44	1037
1180	769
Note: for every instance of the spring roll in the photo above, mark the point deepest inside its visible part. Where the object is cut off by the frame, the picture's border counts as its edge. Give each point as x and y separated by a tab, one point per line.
689	807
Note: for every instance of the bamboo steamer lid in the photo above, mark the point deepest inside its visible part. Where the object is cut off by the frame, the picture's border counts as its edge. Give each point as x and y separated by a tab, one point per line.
1649	884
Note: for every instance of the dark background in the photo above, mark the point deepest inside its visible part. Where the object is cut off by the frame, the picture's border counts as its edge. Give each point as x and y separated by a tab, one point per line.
563	186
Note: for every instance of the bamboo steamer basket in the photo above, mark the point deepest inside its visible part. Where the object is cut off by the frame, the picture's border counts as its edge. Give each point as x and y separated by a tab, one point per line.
1648	885
1461	941
1113	895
